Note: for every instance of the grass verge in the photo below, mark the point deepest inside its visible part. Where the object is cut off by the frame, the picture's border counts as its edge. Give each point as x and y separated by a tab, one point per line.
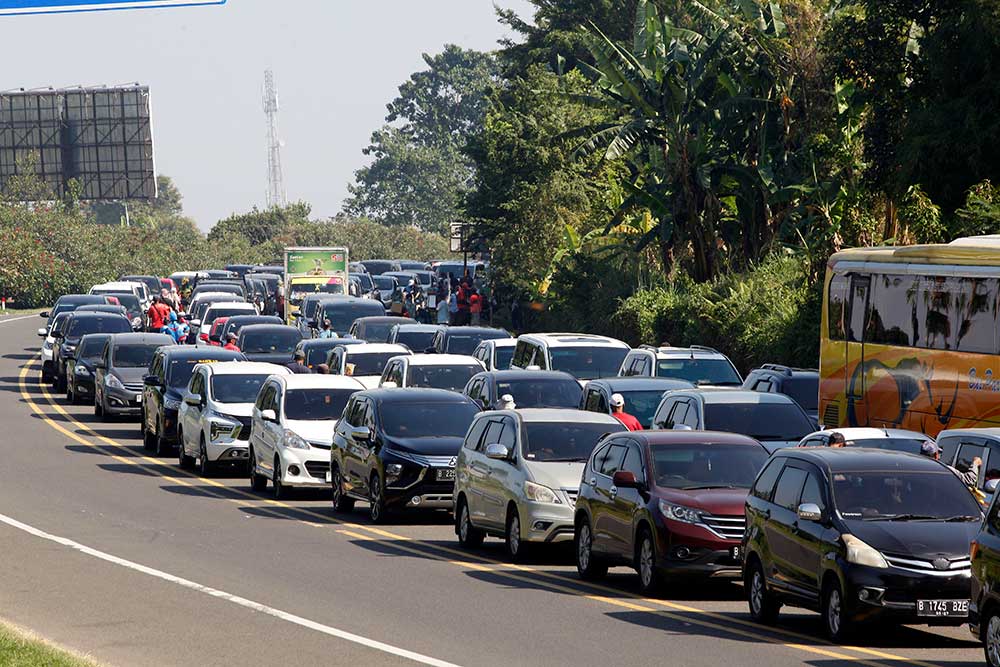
20	648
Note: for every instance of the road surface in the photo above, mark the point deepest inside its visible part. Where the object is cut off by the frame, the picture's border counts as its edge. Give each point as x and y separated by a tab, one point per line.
115	553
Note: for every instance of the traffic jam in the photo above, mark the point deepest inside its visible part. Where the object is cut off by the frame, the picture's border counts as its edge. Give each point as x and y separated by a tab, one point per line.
862	490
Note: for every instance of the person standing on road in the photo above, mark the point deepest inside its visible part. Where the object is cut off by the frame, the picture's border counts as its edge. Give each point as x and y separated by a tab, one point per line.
157	315
176	330
327	331
618	412
231	343
453	309
298	365
475	307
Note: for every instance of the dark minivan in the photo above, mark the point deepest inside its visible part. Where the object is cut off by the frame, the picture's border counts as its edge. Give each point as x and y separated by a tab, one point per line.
859	535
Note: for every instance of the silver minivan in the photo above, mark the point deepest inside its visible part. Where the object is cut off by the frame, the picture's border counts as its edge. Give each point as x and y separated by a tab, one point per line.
518	475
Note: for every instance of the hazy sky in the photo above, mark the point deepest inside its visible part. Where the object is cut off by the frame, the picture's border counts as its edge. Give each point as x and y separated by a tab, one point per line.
337	63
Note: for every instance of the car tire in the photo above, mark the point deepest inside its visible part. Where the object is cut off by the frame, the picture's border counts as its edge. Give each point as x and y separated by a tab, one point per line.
469	536
183	460
990	633
205	467
278	487
376	499
105	416
148	440
162	446
98	407
59	384
650	576
517	548
341	503
258	482
836	620
588	565
763	606
70	398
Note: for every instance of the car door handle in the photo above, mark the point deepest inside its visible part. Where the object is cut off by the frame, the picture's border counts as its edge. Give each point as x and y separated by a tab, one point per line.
593	481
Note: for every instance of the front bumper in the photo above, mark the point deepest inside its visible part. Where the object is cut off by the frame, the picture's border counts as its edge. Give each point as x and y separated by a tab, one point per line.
83	386
546	522
122	401
427	492
691	549
305	468
893	593
229	451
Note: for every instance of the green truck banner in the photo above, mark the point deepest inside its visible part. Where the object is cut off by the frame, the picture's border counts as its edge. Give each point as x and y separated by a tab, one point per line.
316	262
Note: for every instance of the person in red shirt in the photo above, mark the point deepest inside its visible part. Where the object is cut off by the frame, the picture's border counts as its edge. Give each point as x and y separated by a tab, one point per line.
475	308
231	343
157	315
618	412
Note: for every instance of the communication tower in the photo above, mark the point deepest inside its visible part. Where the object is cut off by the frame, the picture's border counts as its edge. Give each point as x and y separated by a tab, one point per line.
275	180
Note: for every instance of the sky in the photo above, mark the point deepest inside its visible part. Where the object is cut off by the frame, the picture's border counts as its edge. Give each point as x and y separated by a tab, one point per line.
336	62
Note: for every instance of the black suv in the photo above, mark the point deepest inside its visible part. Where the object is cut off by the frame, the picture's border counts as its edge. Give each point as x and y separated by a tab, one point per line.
77	326
801	384
859	534
397	448
463	340
984	609
118	375
165	387
80	381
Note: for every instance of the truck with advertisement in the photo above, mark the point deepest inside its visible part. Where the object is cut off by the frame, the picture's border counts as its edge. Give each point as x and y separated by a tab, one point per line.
312	271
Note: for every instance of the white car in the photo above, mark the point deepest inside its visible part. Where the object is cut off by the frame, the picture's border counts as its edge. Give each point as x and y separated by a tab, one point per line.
48	353
365	363
138	289
292	430
584	356
896	439
213	422
496	353
436	371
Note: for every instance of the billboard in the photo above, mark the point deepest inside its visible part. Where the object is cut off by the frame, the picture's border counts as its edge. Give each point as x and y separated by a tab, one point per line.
315	261
60	6
101	138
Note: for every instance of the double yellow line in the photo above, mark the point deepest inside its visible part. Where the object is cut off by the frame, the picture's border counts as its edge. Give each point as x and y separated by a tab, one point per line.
553	581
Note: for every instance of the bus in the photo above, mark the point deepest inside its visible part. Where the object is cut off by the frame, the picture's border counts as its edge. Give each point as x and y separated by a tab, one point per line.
909	337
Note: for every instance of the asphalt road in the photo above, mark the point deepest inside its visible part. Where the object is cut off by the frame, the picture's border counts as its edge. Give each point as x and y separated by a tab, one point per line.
114	553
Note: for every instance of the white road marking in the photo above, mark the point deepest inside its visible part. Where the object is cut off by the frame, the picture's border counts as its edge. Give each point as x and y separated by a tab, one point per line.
229	597
4	320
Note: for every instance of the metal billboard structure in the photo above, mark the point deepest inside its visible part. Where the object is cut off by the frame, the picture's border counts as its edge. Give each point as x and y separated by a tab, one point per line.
15	7
101	138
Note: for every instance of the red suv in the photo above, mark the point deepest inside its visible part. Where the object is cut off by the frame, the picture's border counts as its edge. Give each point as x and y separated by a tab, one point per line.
666	503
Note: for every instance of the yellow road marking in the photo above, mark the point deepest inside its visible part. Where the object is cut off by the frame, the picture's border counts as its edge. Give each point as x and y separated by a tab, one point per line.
500	568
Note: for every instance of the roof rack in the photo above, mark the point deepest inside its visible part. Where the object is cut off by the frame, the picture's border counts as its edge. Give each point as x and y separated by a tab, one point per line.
787	370
654	348
705	348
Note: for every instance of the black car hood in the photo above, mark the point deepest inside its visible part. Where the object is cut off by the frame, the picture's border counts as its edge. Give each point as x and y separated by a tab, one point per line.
920	539
130	375
436	446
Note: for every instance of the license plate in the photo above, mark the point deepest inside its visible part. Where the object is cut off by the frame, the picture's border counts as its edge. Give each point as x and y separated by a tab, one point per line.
736	553
943	608
445	473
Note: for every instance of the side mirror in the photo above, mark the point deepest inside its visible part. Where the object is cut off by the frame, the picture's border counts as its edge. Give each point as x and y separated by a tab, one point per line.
149	380
362	433
193	399
268	416
625	479
42	332
991	485
810	512
497	452
44	314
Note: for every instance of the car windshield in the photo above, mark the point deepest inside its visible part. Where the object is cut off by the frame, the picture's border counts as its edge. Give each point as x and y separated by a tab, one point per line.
458	343
301	291
642	404
377	332
365	280
717	372
133	356
453	377
542	393
80	326
502	357
804	391
415	340
342	315
316	404
709	465
587	363
270	342
562	441
384	282
367	363
427	420
236	388
91	348
902	495
763	421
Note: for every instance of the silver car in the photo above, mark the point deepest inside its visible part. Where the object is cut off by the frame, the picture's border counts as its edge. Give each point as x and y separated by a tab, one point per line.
518	475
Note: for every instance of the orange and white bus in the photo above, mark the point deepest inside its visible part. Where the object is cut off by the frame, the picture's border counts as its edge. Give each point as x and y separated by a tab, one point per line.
909	337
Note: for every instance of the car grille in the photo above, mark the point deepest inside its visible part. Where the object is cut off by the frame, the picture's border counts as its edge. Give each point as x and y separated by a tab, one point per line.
318	469
133	386
726	527
319	445
942	567
427	461
572	495
245	425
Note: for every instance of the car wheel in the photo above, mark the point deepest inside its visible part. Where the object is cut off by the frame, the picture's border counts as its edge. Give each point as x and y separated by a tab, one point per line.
258	482
60	382
650	577
148	440
341	503
588	564
280	492
517	548
763	607
98	407
162	446
70	398
205	467
376	499
468	535
836	621
183	460
991	637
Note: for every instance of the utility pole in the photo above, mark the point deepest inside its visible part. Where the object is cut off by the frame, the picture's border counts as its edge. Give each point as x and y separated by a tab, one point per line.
275	179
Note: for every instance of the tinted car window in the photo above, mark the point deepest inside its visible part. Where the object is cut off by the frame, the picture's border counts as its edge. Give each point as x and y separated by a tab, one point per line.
270	341
699	371
342	315
803	390
133	356
502	357
450	377
415	340
316	404
612	460
812	492
316	354
92	348
881	495
642	404
80	326
368	363
561	441
707	466
222	312
236	388
909	445
587	363
377	332
763	421
428	420
765	482
789	488
542	393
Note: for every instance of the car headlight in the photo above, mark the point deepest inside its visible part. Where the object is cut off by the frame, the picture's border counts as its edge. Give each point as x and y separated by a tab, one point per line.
680	513
540	494
860	553
81	370
294	441
222	428
171	403
112	382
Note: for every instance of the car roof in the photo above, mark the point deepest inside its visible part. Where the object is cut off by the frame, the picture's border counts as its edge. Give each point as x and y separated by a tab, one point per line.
990	431
82	299
672	352
859	459
94	315
785	371
318	381
200	351
331	343
442	360
722	395
574	340
239	305
141	338
118	283
377	348
868	433
342	299
468	330
246	368
499	342
636	383
518	374
267	319
416	395
380	318
694	437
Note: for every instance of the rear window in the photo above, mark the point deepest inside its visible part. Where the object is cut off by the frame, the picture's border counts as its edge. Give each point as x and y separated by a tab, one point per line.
415	340
216	313
908	445
707	466
763	421
642	404
699	371
368	363
502	357
133	356
538	393
270	342
316	404
377	332
803	390
92	348
342	315
87	325
563	441
451	377
587	363
467	343
316	354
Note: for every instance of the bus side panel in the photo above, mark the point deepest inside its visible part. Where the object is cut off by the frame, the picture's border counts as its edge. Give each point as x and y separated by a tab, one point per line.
832	363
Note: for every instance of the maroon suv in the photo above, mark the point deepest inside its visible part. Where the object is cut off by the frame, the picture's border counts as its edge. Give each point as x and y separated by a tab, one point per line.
666	503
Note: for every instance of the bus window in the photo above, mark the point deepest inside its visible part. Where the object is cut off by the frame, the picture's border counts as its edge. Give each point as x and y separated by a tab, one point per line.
835	315
976	316
893	318
857	315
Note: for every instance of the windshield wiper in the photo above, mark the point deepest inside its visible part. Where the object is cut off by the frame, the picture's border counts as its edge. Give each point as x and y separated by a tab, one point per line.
702	487
574	459
908	517
960	518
